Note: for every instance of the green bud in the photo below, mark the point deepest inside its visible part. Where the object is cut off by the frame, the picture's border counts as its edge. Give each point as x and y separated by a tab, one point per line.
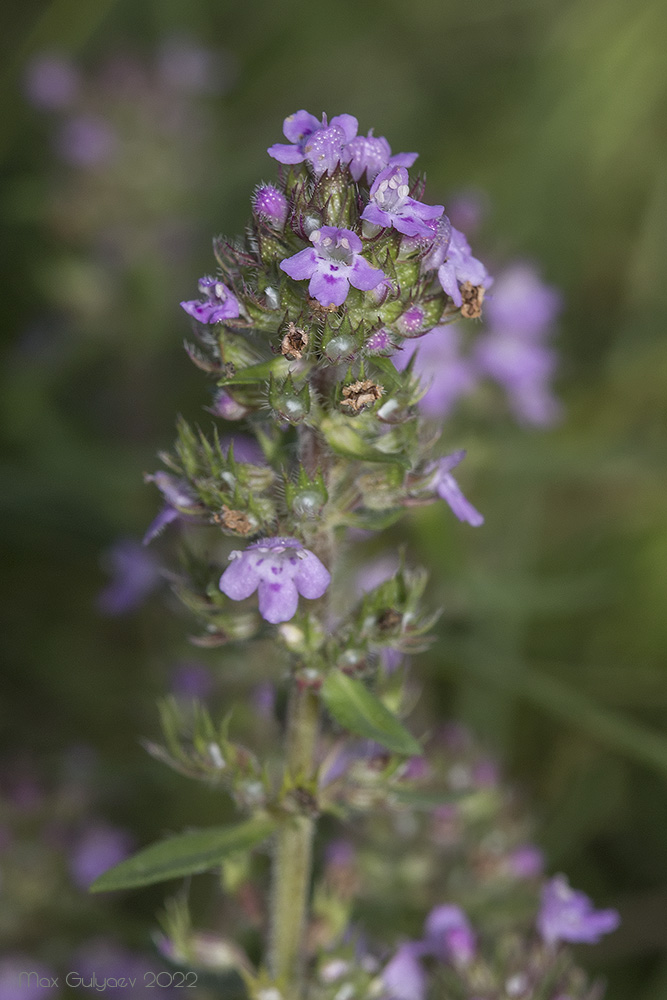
287	401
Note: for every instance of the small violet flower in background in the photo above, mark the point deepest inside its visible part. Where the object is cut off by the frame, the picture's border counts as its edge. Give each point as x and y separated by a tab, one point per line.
403	977
440	364
568	915
99	848
521	313
391	205
333	264
51	81
216	305
449	936
448	489
279	569
135	574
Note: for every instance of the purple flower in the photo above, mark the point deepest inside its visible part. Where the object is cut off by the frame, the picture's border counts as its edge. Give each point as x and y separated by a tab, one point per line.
178	495
391	205
332	264
403	977
526	861
227	407
449	936
24	978
524	370
568	915
369	154
280	569
320	143
86	141
448	489
440	365
191	680
135	573
51	81
271	205
521	304
460	267
217	302
99	848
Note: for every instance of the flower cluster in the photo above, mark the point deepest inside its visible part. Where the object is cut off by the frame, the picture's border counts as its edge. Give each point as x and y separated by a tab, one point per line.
343	265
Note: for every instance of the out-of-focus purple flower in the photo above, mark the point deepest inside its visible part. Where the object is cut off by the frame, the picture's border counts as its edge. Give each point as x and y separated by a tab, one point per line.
568	915
467	209
371	574
102	959
225	406
332	265
522	304
449	936
264	699
180	500
415	769
439	363
191	680
99	848
369	154
51	81
190	67
448	489
320	143
271	205
246	449
526	861
460	267
24	978
485	773
279	569
403	977
524	369
340	853
135	574
391	205
218	303
86	141
391	659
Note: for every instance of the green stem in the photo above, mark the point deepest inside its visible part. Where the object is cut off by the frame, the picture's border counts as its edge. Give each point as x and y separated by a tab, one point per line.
293	851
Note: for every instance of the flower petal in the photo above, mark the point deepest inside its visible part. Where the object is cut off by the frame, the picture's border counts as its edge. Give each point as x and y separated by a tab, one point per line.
363	276
278	601
285	154
377	216
328	289
311	578
448	489
240	579
301	265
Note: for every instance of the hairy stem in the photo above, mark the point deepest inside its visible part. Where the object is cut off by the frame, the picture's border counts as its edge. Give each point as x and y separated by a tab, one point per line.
293	851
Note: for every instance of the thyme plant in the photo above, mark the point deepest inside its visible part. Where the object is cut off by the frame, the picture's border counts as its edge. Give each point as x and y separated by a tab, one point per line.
300	326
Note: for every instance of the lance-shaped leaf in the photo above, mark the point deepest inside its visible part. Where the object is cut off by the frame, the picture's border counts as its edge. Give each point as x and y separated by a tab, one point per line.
278	367
185	854
357	709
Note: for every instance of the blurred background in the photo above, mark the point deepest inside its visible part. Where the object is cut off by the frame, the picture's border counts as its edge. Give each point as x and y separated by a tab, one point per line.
131	133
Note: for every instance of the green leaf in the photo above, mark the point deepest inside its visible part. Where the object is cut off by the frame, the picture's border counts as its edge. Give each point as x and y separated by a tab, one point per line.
357	709
278	367
416	798
346	441
186	854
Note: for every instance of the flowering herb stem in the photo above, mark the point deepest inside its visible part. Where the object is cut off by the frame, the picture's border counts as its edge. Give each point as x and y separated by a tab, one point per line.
293	849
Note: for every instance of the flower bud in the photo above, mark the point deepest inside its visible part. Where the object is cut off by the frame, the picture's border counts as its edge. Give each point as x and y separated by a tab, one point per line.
226	406
340	347
289	403
271	206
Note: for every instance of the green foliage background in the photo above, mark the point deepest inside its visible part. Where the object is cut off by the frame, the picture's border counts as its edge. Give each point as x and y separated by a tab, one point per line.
552	644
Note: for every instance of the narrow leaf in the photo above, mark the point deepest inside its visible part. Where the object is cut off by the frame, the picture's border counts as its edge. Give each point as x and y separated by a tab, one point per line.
186	854
353	706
